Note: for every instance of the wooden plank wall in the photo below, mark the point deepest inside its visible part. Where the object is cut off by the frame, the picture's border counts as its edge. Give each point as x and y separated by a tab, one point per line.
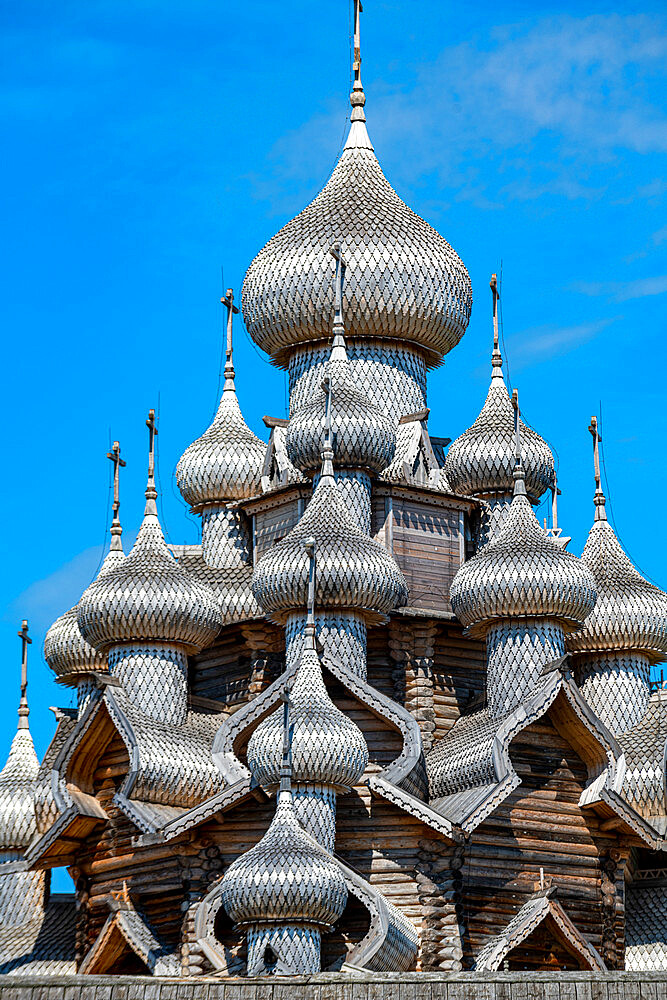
273	524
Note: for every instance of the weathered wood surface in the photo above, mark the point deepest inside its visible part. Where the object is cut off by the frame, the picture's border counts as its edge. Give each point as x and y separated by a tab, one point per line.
342	986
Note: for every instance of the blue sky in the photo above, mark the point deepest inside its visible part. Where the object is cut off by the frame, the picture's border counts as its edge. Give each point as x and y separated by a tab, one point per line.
148	145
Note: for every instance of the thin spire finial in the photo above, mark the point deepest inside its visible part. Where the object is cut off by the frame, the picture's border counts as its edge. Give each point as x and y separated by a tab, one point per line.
357	97
309	545
327	450
151	492
228	301
26	641
339	280
496	357
599	500
286	763
519	473
116	529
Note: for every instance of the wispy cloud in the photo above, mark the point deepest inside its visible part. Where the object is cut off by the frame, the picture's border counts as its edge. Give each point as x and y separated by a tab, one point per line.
623	291
549	341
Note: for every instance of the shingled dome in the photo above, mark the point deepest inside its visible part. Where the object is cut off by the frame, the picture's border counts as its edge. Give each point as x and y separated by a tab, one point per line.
481	460
354	571
405	282
148	597
327	747
522	573
17	793
286	877
630	613
364	437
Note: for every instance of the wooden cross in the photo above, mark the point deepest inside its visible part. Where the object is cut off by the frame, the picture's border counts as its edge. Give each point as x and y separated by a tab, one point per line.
597	440
309	545
228	300
118	463
286	763
23	705
152	433
326	385
358	9
496	295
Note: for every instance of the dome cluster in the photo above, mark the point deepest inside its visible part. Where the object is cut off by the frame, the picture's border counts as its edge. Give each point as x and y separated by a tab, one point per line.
405	281
523	573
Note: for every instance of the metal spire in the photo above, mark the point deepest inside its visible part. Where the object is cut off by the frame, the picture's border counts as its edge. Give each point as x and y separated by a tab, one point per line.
599	499
309	545
151	492
24	711
327	451
519	472
228	301
285	790
338	323
357	97
496	357
116	529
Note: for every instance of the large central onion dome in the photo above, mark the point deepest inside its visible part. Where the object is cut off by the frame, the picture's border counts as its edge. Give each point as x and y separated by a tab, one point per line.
354	570
521	573
405	281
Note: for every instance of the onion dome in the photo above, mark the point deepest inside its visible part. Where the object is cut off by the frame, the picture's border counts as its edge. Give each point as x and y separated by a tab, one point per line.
522	573
354	570
481	460
406	282
18	776
65	649
630	613
364	436
287	877
149	597
328	748
225	463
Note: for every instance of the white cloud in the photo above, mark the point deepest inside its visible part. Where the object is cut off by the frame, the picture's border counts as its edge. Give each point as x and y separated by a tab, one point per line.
623	291
550	341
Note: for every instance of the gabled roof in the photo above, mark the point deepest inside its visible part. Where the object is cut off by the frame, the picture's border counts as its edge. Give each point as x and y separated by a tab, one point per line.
471	773
542	907
128	930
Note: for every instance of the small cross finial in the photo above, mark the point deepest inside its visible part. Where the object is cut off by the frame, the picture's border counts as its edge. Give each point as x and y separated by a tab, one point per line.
357	97
26	641
228	301
286	763
496	358
118	463
327	450
519	474
151	492
599	499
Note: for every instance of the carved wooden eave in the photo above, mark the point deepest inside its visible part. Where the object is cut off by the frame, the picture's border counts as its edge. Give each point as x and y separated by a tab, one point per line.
127	930
543	907
425	494
480	746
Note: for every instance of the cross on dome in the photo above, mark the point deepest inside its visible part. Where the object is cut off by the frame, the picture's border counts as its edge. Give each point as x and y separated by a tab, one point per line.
228	301
357	97
151	492
600	499
519	472
26	641
118	463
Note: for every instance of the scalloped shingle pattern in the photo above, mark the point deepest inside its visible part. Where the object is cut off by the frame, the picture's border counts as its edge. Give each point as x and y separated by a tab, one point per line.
482	459
353	570
630	613
65	649
522	572
327	747
403	280
17	793
286	877
646	928
225	463
616	686
644	747
149	597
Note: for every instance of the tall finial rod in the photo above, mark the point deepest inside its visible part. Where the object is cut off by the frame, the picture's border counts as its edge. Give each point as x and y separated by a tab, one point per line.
309	545
327	451
228	301
151	492
599	500
339	280
286	762
357	97
118	463
496	357
26	641
519	474
555	493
